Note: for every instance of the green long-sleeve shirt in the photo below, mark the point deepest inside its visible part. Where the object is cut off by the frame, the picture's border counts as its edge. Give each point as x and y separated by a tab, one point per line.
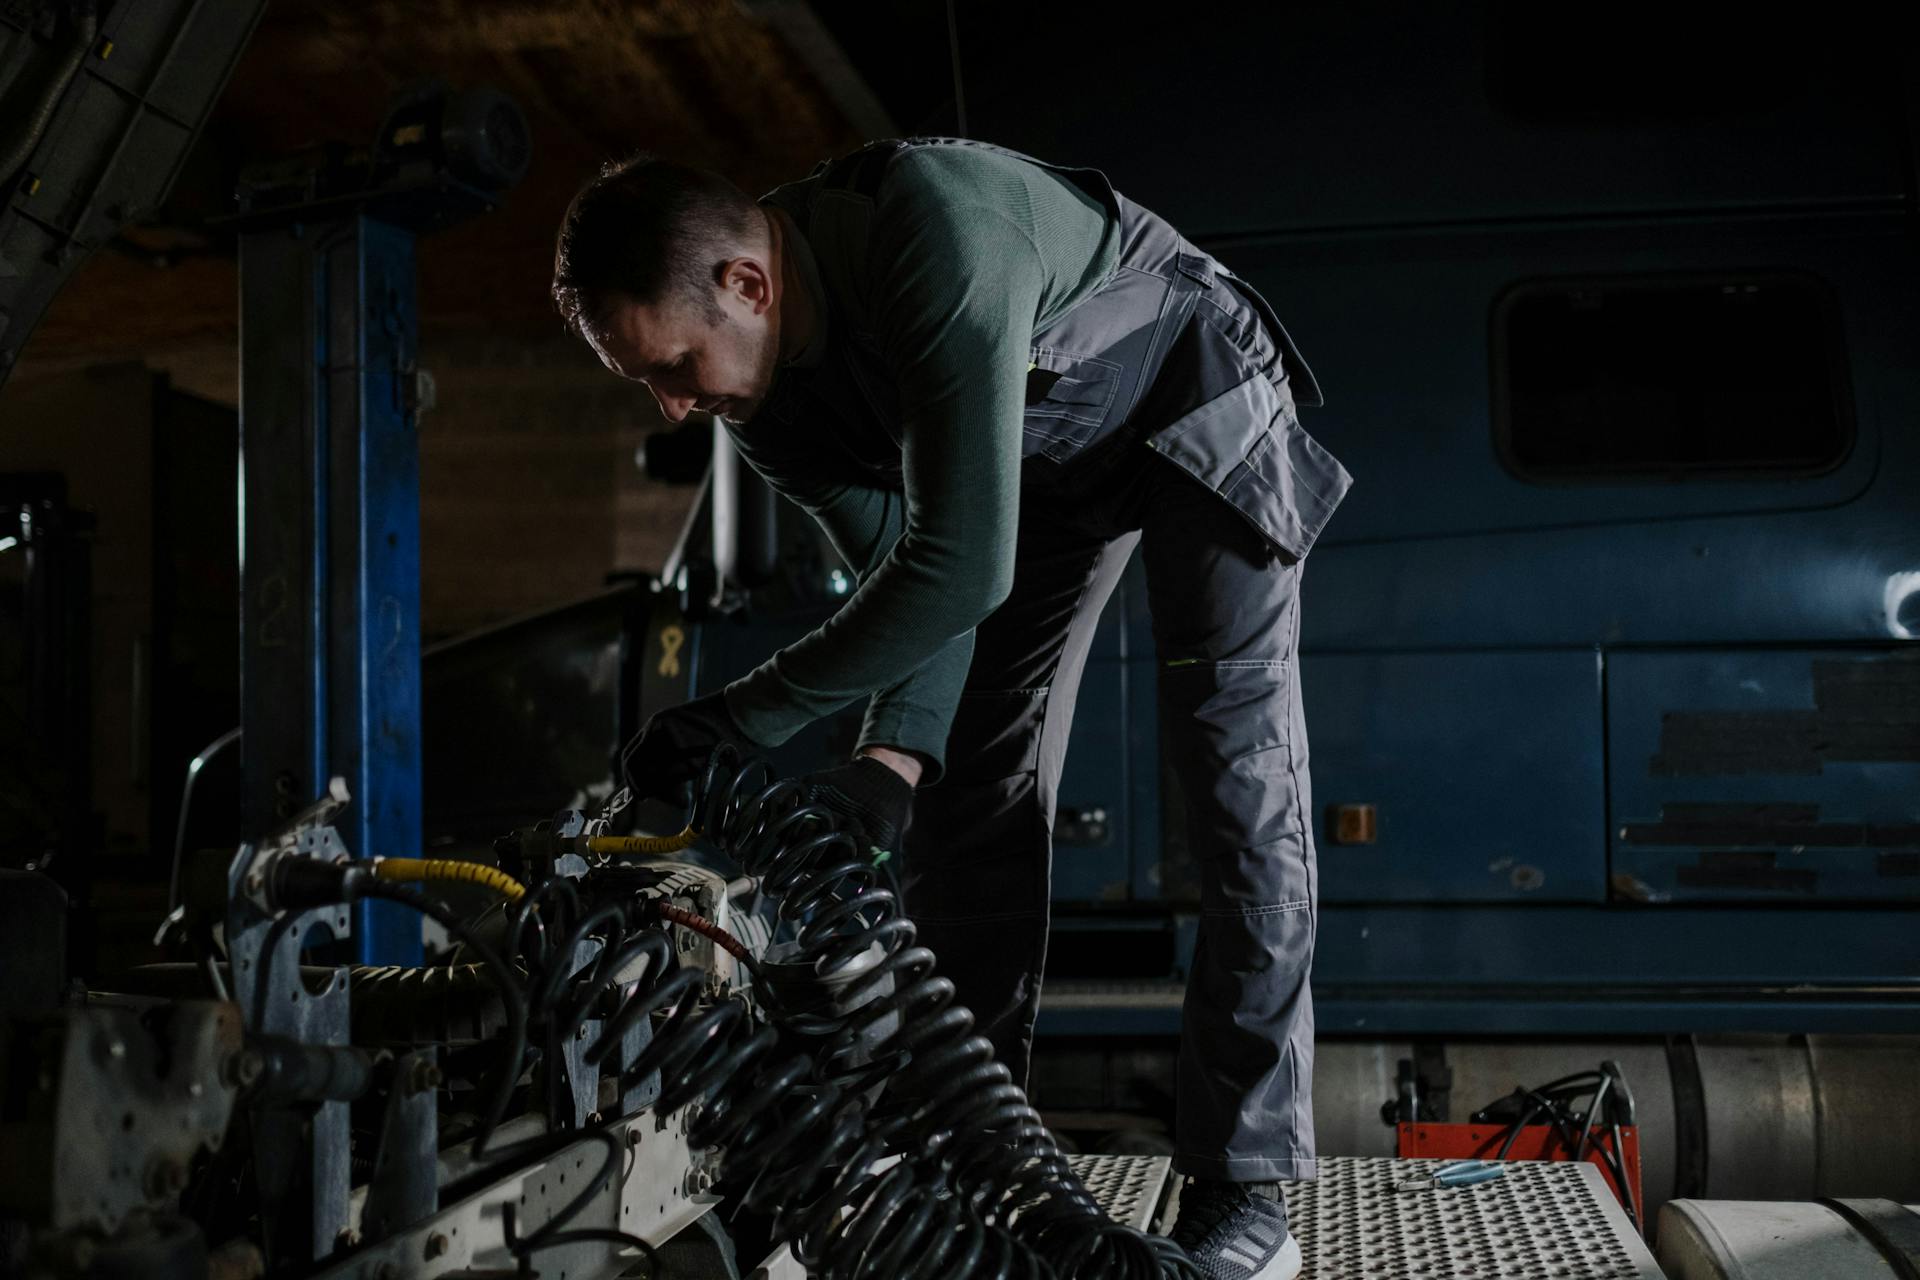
965	255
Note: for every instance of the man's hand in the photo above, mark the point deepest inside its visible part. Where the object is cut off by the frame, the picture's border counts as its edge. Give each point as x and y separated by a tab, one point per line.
673	746
873	797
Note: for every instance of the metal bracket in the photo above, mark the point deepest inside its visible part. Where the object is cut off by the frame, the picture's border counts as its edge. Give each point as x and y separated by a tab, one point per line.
405	1187
301	1152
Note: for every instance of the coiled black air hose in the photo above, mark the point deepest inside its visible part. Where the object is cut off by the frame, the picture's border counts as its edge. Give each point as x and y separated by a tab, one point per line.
982	1190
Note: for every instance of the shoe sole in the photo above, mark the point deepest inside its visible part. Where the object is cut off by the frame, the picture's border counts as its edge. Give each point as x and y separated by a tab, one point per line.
1285	1265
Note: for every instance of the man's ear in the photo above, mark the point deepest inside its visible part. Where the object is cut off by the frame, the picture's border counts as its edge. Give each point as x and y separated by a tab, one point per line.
751	280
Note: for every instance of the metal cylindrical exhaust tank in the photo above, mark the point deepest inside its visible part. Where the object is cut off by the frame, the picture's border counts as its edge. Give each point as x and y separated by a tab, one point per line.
1720	1117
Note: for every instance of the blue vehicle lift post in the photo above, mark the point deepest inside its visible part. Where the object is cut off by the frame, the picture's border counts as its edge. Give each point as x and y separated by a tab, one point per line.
330	541
330	397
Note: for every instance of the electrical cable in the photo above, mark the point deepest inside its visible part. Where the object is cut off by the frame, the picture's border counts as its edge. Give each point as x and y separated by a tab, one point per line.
1561	1117
544	987
1593	1109
550	1234
1571	1086
515	1038
652	943
1554	1111
1618	1158
545	983
525	1154
194	766
528	910
210	965
1513	1131
981	1188
1553	1101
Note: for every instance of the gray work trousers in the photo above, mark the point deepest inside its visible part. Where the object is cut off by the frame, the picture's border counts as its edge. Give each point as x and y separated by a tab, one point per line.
1226	622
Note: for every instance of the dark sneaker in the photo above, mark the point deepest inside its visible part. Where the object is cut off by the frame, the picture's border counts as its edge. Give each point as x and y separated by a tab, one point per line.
1234	1232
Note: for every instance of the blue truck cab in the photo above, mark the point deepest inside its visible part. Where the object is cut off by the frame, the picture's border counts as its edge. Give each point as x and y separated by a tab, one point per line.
1611	657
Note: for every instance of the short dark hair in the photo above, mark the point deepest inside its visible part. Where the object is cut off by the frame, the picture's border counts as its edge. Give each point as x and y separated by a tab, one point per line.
645	229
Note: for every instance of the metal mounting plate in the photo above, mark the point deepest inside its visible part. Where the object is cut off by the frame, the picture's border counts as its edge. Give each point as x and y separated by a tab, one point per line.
1128	1188
1541	1220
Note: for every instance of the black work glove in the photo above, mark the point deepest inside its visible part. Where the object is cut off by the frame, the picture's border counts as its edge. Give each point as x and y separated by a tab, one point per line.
876	802
673	746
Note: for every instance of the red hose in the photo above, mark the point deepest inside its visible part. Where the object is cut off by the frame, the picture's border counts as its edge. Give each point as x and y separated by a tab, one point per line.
706	929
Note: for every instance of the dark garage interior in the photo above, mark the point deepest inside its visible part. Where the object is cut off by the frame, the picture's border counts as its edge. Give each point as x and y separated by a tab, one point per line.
544	631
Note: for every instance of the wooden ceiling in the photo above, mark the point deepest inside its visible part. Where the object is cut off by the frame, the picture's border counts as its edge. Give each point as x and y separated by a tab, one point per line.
716	82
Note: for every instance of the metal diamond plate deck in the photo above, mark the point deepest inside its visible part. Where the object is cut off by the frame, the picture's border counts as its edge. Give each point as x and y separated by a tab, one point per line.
1539	1222
1127	1187
1542	1221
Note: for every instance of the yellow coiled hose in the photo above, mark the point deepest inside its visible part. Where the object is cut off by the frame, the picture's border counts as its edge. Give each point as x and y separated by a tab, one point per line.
643	846
410	869
449	869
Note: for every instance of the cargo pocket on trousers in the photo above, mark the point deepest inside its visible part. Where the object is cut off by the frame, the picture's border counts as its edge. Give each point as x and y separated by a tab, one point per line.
1251	961
1228	727
1068	399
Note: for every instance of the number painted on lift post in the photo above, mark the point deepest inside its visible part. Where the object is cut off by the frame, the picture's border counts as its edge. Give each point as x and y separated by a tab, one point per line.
671	638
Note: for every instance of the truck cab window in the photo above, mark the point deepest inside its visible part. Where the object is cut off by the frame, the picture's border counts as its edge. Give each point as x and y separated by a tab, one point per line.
1669	378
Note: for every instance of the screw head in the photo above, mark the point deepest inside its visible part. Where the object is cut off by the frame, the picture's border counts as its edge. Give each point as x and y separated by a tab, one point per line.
424	1077
246	1067
437	1245
166	1177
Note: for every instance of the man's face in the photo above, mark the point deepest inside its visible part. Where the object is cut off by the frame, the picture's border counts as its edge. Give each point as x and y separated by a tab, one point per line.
715	359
